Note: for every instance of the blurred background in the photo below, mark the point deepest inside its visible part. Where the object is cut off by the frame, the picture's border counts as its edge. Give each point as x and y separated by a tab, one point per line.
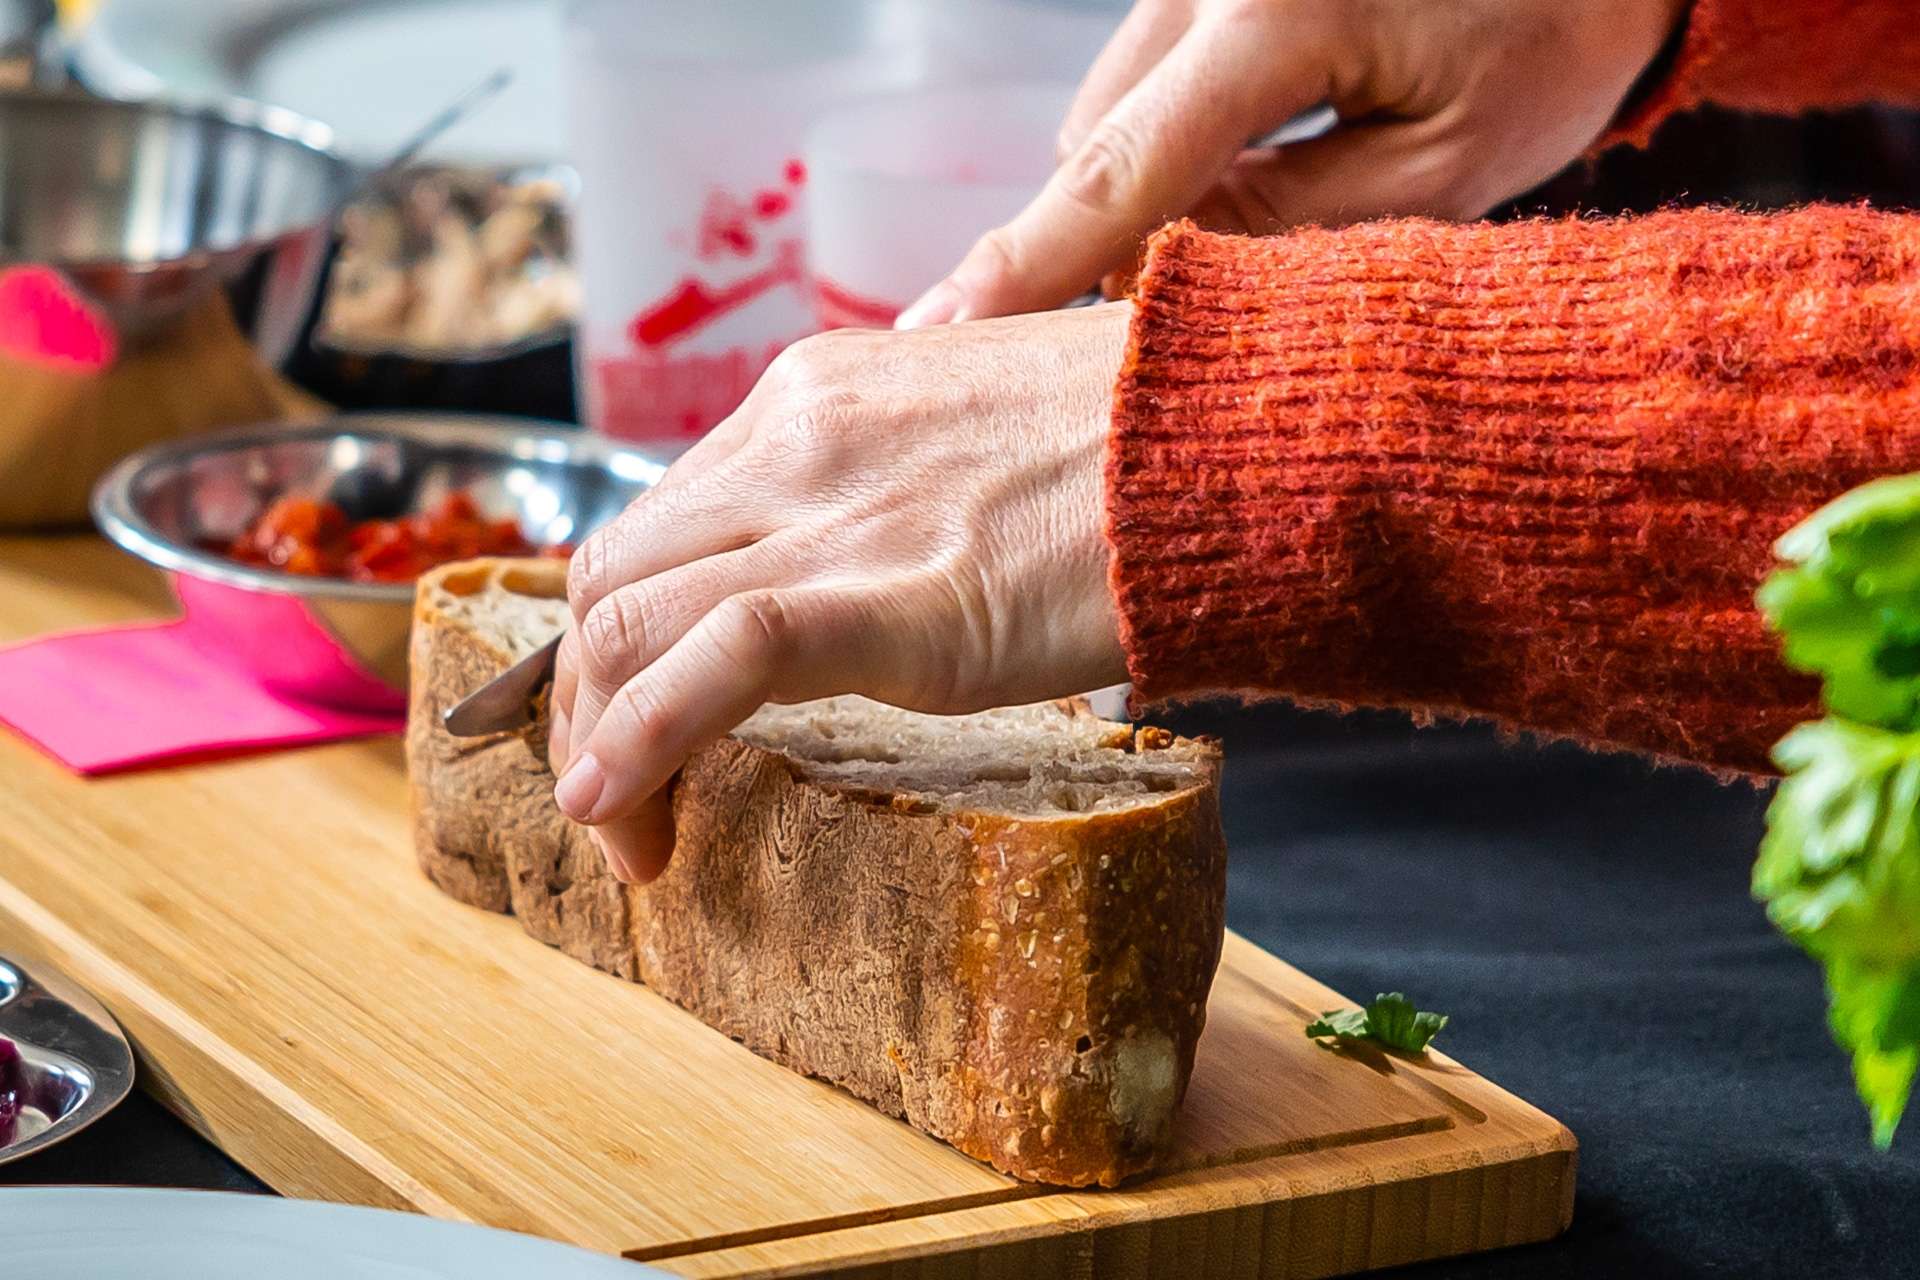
200	226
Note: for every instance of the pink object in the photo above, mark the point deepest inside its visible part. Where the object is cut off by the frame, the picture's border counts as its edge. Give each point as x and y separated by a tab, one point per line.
285	648
126	697
44	321
839	307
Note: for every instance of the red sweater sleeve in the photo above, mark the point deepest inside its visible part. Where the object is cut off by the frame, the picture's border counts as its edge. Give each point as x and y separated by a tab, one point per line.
1786	56
1528	471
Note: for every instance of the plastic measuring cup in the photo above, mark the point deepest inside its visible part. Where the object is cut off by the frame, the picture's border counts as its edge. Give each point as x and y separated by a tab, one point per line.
903	183
978	41
686	120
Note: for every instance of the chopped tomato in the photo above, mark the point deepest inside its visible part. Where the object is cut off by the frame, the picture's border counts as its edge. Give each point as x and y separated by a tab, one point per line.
315	538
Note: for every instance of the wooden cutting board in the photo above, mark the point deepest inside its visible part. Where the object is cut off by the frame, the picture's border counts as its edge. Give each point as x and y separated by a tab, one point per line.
300	995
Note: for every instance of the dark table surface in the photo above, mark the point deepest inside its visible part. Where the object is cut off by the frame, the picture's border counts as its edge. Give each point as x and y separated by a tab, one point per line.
1585	920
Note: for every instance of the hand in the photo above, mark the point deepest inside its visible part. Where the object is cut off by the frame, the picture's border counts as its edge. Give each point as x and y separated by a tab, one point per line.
1447	107
915	517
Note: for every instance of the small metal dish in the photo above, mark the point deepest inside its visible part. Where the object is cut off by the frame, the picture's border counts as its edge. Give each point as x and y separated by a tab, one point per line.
75	1061
327	640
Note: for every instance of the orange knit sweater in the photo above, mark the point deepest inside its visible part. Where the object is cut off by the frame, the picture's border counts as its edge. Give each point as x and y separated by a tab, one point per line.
1529	471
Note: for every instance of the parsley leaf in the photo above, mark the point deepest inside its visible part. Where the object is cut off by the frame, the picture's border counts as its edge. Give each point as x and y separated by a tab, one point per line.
1848	605
1839	868
1391	1020
1351	1023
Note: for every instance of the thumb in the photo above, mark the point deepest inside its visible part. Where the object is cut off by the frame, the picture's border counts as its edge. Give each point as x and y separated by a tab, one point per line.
1146	162
1385	169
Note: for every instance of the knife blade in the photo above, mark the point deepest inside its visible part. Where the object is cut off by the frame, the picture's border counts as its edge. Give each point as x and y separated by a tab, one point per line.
506	701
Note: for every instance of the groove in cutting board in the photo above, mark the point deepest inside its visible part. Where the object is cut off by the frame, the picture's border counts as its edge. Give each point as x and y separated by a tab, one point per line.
1025	1190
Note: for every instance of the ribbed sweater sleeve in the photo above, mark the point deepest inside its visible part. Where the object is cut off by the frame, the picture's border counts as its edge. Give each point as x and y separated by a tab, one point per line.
1528	471
1783	57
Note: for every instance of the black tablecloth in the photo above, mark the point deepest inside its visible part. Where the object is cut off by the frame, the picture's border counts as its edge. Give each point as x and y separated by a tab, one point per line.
1585	921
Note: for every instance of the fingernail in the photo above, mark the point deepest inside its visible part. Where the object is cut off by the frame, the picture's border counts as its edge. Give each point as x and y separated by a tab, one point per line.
579	787
938	305
617	864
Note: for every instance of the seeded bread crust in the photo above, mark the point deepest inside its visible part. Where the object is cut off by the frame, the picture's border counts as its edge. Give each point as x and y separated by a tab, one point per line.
1030	990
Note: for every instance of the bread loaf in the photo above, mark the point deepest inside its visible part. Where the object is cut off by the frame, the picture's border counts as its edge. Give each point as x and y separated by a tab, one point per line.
1000	927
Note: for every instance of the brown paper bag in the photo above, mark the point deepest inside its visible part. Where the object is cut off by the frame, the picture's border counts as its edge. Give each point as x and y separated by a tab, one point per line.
61	427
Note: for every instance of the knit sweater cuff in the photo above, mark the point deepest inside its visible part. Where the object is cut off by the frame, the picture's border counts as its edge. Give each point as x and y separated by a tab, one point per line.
1491	469
1782	57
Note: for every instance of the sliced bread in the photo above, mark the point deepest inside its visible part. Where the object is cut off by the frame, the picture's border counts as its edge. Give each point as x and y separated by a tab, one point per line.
1001	927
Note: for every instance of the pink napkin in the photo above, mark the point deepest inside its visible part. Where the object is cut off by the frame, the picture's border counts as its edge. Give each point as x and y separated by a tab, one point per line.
124	697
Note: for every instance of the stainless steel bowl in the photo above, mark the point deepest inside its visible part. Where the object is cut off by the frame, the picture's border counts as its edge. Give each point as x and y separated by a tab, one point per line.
146	208
166	504
75	1062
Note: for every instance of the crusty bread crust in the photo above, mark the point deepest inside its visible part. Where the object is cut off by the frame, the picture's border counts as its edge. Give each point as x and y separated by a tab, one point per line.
1029	990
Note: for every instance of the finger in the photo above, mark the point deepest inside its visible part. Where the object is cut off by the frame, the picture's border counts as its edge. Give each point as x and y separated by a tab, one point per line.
1147	161
630	628
772	645
637	847
1363	172
566	684
1143	37
707	513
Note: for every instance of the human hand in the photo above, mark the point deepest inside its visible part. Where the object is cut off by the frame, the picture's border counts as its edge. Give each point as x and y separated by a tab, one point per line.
1446	109
915	517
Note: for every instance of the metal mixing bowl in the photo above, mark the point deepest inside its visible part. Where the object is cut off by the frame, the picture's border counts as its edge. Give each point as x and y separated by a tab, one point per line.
324	639
146	208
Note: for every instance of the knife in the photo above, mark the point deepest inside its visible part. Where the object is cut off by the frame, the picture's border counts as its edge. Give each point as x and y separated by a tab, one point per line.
506	701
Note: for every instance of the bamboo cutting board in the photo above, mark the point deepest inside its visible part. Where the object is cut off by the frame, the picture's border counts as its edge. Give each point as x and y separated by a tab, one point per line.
301	995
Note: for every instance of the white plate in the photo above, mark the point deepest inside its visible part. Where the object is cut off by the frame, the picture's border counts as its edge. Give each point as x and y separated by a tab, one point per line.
112	1233
372	70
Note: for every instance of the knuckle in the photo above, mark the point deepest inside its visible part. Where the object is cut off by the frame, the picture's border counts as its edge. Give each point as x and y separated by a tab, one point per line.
585	571
757	627
994	260
811	429
786	370
801	366
1103	170
641	720
807	411
612	634
1067	140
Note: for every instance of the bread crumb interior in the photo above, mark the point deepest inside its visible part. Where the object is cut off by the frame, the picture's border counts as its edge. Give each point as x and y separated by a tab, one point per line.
1039	761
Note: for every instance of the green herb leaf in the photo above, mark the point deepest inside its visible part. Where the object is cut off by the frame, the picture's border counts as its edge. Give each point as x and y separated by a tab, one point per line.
1848	604
1839	868
1350	1023
1391	1020
1875	1014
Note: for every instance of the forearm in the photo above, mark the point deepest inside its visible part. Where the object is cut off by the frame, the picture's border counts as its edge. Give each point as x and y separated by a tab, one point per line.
1784	57
1527	471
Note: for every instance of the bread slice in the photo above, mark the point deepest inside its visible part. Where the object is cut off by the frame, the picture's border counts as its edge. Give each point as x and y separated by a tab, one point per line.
1000	927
